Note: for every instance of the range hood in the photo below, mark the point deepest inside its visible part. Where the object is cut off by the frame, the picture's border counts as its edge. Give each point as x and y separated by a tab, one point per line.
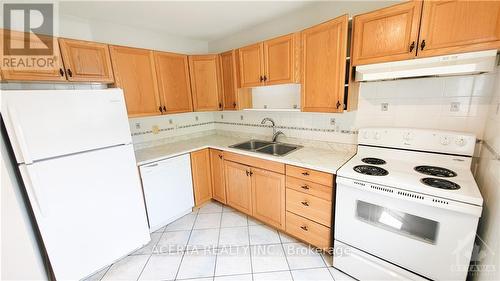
457	64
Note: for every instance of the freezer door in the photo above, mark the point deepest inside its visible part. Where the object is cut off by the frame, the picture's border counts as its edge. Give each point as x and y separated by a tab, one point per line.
168	190
50	123
89	209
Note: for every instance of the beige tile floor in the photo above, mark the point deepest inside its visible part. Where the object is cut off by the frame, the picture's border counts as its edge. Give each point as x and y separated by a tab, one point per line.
218	243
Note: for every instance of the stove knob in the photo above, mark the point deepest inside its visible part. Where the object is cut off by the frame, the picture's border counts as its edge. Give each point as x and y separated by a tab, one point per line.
377	136
445	140
407	136
461	141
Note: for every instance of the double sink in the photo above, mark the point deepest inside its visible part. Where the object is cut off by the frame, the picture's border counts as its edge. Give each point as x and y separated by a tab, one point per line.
267	147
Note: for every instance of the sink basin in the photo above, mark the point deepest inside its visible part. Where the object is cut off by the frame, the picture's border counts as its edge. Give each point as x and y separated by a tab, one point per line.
251	145
278	149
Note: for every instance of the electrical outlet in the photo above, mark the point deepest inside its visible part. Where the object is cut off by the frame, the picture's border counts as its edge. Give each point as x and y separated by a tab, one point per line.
155	129
196	118
170	121
265	106
221	116
137	125
454	106
332	121
241	117
384	106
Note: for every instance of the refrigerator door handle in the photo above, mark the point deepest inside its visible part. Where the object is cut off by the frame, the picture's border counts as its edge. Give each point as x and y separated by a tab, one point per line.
21	142
32	187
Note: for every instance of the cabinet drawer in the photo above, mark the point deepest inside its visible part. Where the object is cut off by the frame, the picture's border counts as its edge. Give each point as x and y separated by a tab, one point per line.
309	231
311	207
310	175
255	162
308	187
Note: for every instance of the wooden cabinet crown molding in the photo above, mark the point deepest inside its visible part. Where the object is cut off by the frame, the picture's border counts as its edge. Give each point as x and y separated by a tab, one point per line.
86	61
172	72
205	82
324	49
135	73
386	34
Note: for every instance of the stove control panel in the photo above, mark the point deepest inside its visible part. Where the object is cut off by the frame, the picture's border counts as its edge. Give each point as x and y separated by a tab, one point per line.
419	139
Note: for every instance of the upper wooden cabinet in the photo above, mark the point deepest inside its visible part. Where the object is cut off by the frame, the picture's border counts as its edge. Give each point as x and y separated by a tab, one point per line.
86	61
425	28
51	69
387	34
324	50
233	97
205	85
251	61
280	60
270	62
135	74
459	26
172	71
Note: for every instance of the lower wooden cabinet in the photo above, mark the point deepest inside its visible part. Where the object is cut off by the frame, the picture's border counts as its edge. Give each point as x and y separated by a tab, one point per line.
238	186
218	181
309	231
202	179
268	197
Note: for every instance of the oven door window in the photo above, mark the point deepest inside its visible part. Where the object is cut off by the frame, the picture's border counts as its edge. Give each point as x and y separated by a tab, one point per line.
402	223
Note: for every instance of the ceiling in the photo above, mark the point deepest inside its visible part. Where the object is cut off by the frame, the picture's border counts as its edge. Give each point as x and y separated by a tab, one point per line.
201	20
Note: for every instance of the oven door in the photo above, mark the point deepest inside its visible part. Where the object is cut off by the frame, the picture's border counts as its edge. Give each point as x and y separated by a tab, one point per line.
430	241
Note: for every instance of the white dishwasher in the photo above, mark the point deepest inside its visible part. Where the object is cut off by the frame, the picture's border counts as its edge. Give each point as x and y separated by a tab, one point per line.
168	190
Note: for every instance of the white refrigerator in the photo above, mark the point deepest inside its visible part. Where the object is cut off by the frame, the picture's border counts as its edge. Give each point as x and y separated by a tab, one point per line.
75	155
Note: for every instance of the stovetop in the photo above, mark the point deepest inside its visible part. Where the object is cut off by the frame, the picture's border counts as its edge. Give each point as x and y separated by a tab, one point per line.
439	175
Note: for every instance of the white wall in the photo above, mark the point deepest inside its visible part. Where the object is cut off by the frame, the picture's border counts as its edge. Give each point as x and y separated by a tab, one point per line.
488	179
295	21
111	33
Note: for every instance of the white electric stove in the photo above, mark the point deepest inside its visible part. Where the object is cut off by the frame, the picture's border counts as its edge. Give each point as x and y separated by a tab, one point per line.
407	206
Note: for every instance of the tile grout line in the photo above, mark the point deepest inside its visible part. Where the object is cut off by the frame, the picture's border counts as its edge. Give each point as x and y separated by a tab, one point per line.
152	252
184	252
249	247
286	257
218	241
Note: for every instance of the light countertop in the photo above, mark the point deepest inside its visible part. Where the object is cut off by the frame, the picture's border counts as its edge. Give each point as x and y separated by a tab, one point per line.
321	159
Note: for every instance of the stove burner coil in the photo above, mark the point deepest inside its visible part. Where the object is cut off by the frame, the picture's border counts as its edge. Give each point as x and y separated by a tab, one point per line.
373	161
440	183
370	170
435	171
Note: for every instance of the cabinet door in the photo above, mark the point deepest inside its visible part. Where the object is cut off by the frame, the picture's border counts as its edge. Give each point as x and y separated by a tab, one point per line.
268	197
387	34
228	80
202	180
135	73
238	186
86	61
459	26
251	60
218	182
172	71
280	61
205	84
49	68
323	66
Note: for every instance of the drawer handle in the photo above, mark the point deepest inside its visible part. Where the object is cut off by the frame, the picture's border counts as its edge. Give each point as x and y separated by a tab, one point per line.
305	203
305	187
305	173
304	228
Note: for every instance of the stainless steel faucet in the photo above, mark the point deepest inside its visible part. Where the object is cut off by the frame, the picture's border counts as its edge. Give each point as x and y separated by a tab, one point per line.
273	125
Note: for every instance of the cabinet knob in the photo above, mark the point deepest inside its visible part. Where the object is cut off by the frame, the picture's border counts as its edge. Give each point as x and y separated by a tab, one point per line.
422	45
412	46
61	71
261	78
234	104
164	108
304	228
248	173
265	78
220	105
338	104
305	187
70	73
305	173
220	156
161	109
305	203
